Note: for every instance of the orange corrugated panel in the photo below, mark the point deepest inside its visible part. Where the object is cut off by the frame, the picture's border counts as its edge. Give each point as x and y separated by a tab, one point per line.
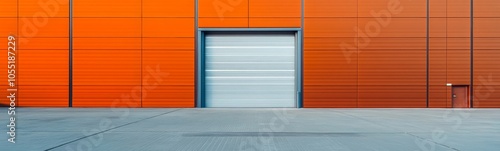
487	27
102	76
222	8
458	27
488	44
43	82
392	96
392	67
391	75
486	73
485	96
396	27
330	74
162	8
437	27
278	13
392	43
43	67
458	43
168	77
107	43
275	22
168	96
8	27
458	60
107	27
395	8
53	27
326	96
458	8
227	22
449	49
330	8
37	43
168	27
220	13
43	95
437	8
458	66
330	27
107	96
328	43
8	8
437	96
173	67
168	43
275	8
486	54
330	54
107	8
106	67
329	68
486	8
437	71
43	8
168	58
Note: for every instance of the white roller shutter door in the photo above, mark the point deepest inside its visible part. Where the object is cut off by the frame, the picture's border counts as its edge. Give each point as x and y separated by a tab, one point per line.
250	70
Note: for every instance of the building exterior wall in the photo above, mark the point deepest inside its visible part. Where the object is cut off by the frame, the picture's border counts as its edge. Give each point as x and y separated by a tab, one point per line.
356	53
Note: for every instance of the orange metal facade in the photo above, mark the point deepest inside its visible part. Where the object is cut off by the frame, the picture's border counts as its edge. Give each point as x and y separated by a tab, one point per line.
357	53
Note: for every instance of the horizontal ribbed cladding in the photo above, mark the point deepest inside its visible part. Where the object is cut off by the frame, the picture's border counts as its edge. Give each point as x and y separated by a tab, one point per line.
9	20
365	54
136	53
330	53
168	57
438	91
106	53
486	53
275	13
43	45
249	13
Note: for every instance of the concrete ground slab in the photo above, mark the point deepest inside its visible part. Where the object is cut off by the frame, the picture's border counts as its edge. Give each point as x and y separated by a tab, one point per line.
104	129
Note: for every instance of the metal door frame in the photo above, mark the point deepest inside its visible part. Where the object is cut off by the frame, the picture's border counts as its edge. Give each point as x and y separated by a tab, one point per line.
200	60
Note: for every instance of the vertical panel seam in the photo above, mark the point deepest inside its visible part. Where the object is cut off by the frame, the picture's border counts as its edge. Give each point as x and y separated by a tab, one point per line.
357	54
142	36
196	54
471	54
301	61
427	55
70	49
446	51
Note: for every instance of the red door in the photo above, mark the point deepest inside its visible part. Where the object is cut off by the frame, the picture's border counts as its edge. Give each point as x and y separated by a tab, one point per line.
460	97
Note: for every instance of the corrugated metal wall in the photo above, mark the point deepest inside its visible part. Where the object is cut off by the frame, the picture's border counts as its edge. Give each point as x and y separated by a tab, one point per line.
486	53
42	50
140	53
249	13
449	57
365	53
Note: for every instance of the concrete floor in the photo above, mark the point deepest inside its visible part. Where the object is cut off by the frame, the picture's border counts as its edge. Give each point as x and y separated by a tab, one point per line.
77	129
